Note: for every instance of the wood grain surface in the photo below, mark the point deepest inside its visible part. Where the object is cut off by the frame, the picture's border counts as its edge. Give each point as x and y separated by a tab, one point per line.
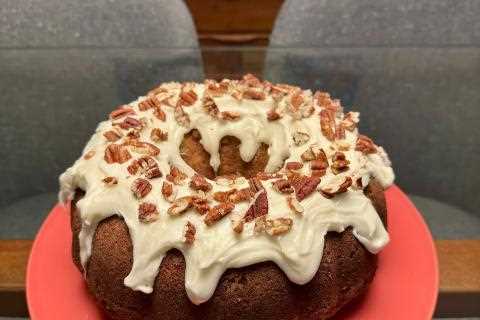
459	262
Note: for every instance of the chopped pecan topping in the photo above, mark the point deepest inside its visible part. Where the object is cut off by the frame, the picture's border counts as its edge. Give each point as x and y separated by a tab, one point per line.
296	100
151	102
314	153
238	226
259	226
267	176
319	167
327	124
233	195
158	135
133	134
282	186
224	196
258	208
339	132
300	137
200	204
149	167
273	115
144	148
111	136
209	106
176	176
120	112
167	191
350	121
181	117
339	163
254	94
129	123
216	89
336	186
147	212
294	205
141	187
229	115
255	184
190	231
180	205
188	98
110	181
218	212
304	186
324	100
275	227
294	165
116	153
199	182
365	145
159	114
251	80
89	155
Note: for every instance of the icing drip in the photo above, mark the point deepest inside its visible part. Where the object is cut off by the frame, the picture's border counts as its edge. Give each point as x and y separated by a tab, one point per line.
216	248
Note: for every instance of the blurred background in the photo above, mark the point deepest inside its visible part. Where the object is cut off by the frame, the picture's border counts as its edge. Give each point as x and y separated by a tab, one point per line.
412	69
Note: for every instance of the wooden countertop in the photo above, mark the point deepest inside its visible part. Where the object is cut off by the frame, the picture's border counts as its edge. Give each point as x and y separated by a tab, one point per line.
459	262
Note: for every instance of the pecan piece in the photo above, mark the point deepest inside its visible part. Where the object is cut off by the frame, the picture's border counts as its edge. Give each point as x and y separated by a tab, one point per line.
120	112
350	121
181	117
167	191
275	227
304	186
140	188
327	124
110	181
339	163
238	226
258	208
176	176
129	123
336	187
294	205
148	167
151	102
147	212
111	136
188	98
218	212
254	94
200	204
339	132
229	115
199	182
210	107
300	137
180	205
116	153
272	115
190	232
158	135
144	148
365	145
314	153
294	165
159	114
282	186
89	155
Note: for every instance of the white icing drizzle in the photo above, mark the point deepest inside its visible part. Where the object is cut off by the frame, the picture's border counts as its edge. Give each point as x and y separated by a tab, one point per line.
216	248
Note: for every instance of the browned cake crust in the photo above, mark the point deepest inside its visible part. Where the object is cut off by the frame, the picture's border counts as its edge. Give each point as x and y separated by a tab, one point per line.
259	291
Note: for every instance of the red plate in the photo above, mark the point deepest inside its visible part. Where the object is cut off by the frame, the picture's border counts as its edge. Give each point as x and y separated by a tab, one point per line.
405	286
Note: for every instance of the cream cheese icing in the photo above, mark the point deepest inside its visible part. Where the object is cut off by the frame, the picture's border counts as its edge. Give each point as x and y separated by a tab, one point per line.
217	247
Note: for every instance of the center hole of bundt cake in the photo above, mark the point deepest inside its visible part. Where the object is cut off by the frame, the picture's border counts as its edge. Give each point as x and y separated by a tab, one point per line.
231	162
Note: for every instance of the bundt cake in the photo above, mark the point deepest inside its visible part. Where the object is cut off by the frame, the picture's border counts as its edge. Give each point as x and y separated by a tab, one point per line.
238	199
